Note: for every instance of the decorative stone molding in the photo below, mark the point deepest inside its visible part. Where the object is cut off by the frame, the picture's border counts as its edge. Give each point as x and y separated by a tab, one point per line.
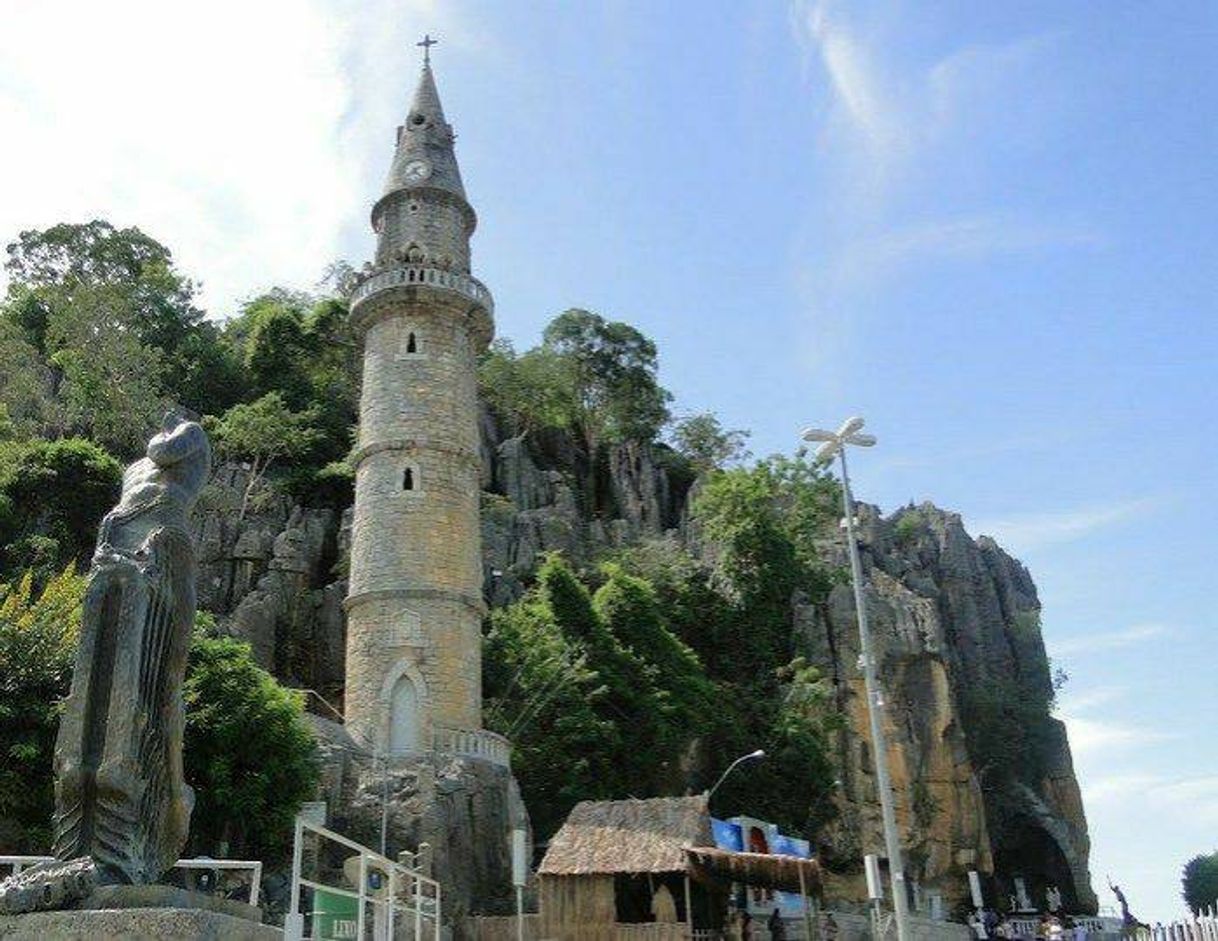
351	601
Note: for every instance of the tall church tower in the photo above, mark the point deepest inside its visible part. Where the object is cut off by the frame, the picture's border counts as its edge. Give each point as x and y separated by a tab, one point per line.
415	607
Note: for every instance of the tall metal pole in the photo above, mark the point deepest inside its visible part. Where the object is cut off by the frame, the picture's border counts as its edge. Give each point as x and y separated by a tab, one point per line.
879	743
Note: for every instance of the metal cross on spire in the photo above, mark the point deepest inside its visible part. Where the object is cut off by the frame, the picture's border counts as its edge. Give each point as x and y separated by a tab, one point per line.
427	42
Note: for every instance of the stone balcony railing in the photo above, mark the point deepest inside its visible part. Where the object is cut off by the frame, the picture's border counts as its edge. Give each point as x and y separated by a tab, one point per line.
406	275
474	743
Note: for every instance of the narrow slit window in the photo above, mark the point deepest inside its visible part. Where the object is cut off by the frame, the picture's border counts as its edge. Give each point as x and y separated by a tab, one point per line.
412	345
408	479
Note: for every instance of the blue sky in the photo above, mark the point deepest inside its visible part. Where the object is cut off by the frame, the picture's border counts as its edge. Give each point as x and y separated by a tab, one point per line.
989	228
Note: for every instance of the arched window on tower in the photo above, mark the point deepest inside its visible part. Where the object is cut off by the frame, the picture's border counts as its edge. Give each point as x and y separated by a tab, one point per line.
408	479
412	344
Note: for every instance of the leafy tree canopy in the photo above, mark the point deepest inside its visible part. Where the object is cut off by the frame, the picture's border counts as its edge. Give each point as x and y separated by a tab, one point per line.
261	432
249	753
53	495
38	637
706	444
1200	882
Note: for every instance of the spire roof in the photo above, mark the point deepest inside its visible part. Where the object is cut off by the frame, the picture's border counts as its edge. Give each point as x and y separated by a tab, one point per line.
424	156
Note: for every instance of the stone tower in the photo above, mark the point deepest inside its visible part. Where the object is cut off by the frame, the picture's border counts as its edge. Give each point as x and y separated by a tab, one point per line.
414	609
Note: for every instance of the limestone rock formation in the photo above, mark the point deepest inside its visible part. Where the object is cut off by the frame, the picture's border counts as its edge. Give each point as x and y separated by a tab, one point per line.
950	613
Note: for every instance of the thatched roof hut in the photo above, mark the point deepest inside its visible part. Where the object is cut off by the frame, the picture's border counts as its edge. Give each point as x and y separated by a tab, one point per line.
623	862
628	836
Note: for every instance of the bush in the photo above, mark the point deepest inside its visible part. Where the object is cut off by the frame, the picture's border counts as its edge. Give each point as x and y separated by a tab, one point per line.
38	638
52	497
249	752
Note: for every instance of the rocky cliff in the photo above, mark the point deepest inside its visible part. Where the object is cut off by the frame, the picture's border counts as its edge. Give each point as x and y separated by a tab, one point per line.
950	614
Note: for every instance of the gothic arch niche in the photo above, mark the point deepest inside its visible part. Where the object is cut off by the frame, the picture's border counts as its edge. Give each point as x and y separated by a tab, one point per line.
405	698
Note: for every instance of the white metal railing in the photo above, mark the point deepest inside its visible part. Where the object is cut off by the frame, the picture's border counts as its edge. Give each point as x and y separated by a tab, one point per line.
401	891
408	274
18	864
474	743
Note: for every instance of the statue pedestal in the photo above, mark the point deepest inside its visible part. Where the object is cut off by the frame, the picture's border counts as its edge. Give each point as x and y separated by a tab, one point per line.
139	912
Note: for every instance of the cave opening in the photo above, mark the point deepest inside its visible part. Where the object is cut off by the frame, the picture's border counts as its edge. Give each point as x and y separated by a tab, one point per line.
1029	854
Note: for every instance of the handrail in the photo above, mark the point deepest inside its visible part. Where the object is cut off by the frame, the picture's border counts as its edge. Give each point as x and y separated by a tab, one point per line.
423	894
407	275
473	743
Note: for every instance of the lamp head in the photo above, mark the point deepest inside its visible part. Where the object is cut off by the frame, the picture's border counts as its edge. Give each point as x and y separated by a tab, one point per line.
825	453
850	426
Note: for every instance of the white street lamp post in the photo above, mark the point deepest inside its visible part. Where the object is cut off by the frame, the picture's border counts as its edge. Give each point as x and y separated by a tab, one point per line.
833	444
751	756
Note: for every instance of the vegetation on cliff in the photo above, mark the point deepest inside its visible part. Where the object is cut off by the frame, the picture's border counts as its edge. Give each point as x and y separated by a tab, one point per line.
643	671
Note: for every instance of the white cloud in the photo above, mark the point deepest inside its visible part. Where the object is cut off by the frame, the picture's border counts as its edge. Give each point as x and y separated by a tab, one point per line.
1106	733
1108	640
1034	530
963	238
887	114
236	133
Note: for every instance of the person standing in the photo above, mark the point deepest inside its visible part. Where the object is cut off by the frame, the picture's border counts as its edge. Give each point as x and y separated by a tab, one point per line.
778	930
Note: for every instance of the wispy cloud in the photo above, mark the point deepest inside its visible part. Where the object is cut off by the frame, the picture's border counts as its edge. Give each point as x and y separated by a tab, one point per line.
889	114
1035	530
1108	640
958	239
1091	734
1193	800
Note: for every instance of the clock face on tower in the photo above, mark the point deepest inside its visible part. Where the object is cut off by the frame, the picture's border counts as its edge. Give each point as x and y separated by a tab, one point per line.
417	171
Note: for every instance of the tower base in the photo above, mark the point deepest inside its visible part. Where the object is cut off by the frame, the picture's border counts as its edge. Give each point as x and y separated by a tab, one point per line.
462	807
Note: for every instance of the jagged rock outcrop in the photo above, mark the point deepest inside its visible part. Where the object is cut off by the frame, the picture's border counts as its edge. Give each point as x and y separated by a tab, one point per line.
949	612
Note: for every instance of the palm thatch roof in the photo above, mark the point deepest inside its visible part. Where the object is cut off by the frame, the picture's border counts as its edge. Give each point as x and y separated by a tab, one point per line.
786	873
603	837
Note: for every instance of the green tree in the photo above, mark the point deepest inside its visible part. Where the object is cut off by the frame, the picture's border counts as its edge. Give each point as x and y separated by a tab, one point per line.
706	444
249	753
541	693
530	391
38	638
261	432
24	382
109	382
122	275
613	375
1200	882
300	347
53	495
95	253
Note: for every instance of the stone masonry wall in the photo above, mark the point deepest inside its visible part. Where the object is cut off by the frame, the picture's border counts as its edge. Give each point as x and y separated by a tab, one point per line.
415	606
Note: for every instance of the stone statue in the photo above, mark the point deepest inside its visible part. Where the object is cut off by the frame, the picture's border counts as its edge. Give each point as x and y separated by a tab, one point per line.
121	803
1053	899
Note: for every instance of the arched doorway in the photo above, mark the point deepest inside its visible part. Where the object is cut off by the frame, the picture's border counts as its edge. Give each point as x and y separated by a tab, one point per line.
404	717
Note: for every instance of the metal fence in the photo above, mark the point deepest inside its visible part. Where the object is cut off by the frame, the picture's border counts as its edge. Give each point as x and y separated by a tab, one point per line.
343	890
213	867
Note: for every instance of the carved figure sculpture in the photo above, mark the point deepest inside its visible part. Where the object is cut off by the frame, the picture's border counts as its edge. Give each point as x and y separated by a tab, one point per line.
122	808
120	798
